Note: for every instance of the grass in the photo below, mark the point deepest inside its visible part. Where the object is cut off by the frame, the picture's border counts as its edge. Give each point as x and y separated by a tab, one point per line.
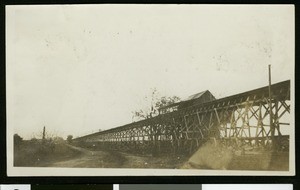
37	153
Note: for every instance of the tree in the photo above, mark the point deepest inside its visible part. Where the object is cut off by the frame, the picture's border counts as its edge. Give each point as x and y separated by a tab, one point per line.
156	103
17	140
165	101
70	138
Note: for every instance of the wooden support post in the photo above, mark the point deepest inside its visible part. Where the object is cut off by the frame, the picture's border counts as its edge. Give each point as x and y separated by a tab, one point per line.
272	128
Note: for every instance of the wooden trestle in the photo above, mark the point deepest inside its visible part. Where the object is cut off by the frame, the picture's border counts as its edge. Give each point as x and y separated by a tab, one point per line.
241	119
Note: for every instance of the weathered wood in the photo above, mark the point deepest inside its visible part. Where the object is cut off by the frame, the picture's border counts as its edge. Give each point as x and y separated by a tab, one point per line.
240	118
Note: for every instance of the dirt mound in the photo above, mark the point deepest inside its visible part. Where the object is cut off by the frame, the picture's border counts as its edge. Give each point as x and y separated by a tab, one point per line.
215	155
212	155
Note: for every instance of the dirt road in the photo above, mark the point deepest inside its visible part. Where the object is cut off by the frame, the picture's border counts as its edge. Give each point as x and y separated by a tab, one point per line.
87	159
104	159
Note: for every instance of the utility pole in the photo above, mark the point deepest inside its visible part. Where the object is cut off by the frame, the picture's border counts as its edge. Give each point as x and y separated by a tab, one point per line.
44	133
271	112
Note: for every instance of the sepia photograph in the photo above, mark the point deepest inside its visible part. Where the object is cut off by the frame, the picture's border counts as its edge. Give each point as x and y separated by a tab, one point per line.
150	90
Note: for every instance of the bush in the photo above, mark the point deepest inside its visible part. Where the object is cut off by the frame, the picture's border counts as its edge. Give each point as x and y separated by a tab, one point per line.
17	140
69	138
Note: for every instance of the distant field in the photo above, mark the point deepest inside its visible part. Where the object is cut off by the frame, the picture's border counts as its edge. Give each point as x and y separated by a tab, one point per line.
37	153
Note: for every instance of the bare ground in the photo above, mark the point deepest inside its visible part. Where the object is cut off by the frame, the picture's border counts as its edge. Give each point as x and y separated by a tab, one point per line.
207	157
212	155
108	159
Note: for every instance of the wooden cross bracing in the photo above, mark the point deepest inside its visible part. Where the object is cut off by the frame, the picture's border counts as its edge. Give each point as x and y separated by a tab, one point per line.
239	120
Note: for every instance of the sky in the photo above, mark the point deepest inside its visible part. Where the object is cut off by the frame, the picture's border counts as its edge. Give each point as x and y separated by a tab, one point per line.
79	68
